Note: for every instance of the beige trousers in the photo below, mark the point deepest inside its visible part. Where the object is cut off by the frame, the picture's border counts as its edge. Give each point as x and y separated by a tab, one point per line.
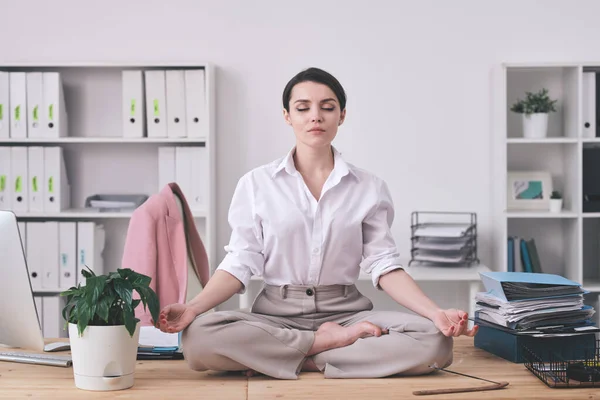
275	336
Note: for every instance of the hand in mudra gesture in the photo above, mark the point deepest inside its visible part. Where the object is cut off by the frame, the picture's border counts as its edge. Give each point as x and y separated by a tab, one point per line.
453	322
175	318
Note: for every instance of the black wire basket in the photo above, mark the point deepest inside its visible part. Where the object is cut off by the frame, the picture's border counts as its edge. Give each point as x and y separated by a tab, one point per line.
580	370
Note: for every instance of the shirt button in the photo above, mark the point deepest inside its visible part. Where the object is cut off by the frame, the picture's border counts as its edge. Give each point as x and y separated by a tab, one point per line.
309	292
316	250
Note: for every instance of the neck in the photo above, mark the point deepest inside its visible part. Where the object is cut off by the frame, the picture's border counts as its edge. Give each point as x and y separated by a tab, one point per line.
311	161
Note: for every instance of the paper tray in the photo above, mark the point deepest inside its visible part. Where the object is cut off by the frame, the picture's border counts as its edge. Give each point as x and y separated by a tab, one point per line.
112	202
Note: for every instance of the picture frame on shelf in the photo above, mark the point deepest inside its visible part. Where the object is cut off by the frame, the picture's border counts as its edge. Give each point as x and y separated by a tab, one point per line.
528	190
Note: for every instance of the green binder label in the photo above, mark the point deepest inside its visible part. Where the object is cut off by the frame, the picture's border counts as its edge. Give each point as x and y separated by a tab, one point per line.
156	111
132	107
1	112
19	184
17	113
34	184
2	183
51	112
35	113
51	185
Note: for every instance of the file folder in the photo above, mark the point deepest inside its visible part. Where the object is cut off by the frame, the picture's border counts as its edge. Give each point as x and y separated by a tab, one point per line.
57	189
199	178
133	106
35	254
183	170
166	166
39	300
196	104
589	104
23	234
53	321
20	176
496	285
55	109
67	241
35	102
4	105
49	247
18	104
90	248
175	94
36	179
156	108
6	179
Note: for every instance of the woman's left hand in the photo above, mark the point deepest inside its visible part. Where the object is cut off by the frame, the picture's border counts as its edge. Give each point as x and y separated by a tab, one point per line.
453	322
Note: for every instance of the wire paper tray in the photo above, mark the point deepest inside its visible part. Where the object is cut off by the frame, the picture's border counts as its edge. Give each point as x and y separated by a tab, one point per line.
582	370
443	238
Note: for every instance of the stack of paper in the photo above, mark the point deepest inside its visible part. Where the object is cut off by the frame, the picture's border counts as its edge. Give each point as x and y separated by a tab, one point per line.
443	243
536	304
156	344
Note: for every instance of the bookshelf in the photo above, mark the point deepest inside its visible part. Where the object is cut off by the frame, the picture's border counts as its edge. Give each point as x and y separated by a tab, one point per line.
567	241
100	160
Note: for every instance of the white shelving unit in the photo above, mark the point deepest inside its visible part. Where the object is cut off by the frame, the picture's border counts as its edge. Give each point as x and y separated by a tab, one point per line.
568	241
99	160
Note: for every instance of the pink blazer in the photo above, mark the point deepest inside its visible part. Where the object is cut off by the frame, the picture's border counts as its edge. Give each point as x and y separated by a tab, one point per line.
156	246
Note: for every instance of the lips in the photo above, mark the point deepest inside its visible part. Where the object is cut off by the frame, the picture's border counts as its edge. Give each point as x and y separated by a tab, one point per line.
317	130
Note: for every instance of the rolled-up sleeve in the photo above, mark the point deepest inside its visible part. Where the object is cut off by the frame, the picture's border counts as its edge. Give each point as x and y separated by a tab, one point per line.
380	254
244	256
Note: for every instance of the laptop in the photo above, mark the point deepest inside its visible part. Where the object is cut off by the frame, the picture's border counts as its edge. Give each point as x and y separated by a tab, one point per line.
19	324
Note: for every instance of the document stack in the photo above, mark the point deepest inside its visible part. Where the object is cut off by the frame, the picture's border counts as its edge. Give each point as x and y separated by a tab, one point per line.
444	238
164	103
155	344
519	307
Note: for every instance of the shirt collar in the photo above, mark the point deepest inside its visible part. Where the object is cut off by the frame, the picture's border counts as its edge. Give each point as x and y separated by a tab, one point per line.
340	166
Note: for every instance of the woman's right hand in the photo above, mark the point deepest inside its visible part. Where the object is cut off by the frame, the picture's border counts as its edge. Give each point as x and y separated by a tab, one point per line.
175	317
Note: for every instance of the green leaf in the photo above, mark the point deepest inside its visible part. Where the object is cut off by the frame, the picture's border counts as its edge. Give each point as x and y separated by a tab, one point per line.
83	314
135	303
103	307
87	273
129	318
124	290
95	286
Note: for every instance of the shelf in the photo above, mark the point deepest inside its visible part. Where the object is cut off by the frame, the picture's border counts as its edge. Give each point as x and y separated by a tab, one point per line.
548	140
540	214
49	291
92	140
88	214
591	285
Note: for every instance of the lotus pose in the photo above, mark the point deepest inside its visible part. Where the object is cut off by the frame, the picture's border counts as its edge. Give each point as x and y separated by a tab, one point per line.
308	224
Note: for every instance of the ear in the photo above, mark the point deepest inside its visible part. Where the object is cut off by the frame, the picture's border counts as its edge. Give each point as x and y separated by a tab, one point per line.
342	117
286	116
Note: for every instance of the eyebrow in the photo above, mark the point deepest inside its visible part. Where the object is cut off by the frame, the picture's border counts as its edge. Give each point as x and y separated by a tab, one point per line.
308	101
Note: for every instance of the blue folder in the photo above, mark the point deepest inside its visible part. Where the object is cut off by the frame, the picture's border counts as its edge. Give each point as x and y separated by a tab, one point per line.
493	282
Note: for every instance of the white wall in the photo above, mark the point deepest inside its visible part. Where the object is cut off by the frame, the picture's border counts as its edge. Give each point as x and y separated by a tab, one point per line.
417	74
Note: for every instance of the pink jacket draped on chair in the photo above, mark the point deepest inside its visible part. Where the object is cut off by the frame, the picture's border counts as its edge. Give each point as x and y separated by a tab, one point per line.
156	246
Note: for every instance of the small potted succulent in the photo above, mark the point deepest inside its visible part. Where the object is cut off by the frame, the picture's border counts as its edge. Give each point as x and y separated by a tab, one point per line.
556	201
103	330
535	109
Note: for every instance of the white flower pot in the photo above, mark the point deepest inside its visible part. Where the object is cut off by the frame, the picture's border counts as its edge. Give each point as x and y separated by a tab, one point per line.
556	205
535	126
104	357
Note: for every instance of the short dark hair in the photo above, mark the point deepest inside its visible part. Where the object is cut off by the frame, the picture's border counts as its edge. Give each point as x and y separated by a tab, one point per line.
315	75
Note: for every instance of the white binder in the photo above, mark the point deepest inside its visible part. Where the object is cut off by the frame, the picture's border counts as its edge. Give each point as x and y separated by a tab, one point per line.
35	103
40	310
23	234
19	186
90	248
156	108
589	104
36	179
50	248
166	166
67	242
18	104
175	103
55	112
4	105
6	179
57	189
133	107
196	104
35	254
53	322
183	170
198	198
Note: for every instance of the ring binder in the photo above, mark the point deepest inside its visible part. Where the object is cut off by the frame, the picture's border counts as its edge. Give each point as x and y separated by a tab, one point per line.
443	238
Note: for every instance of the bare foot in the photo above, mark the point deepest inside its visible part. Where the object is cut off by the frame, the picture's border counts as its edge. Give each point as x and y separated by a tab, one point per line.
250	373
331	335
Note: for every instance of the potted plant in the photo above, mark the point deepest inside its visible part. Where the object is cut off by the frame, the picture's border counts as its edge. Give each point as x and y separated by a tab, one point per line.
103	330
535	109
556	201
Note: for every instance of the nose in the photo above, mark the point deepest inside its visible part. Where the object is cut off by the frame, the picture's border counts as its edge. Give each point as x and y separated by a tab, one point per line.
316	116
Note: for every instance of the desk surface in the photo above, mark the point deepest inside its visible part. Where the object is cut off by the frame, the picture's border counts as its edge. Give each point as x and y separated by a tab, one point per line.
173	379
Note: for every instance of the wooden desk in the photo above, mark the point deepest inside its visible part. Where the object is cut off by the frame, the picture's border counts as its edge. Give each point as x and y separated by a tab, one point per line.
174	381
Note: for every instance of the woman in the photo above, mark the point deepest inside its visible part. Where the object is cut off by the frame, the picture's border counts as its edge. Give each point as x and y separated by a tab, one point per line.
308	223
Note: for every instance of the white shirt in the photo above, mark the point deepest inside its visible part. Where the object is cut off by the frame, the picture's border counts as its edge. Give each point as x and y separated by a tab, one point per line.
281	233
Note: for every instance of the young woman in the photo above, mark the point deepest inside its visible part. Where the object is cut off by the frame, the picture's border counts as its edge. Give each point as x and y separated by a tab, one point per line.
308	223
